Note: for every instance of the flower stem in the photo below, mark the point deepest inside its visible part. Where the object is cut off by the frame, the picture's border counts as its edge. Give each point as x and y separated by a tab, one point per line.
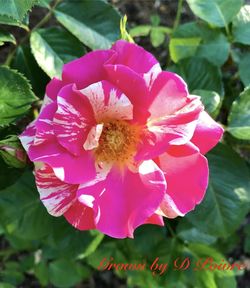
178	15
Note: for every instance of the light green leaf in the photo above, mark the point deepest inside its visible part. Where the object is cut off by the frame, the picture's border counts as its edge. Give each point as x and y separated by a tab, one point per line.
41	271
227	198
6	37
211	100
64	273
21	211
241	26
52	47
181	48
197	39
16	9
216	12
94	23
16	96
244	70
199	74
239	117
157	37
140	30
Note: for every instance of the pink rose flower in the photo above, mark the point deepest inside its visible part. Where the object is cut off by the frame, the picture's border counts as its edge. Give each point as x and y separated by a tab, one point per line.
119	143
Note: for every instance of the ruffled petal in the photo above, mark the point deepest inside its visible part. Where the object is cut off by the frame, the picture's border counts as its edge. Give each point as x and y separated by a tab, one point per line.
87	69
133	56
133	86
186	172
108	102
56	195
124	201
67	167
28	135
80	216
168	94
73	119
176	129
207	133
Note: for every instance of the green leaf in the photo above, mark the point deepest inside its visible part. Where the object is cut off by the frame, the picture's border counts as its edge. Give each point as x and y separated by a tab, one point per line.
241	26
6	37
16	96
198	39
94	23
6	285
239	117
21	211
12	22
247	239
52	47
181	48
244	69
140	30
16	9
199	74
188	233
41	271
215	12
25	63
227	198
64	273
211	100
157	37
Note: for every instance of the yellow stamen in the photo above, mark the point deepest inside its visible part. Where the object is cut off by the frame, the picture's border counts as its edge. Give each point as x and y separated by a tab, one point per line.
117	142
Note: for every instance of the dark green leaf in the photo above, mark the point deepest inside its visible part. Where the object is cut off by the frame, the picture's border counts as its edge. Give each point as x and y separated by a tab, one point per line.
211	100
64	273
247	239
227	198
52	47
94	23
244	69
239	118
199	74
25	63
215	12
16	9
21	211
10	21
42	273
16	95
241	26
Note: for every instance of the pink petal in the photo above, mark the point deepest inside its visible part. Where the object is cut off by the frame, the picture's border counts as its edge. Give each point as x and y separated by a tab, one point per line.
28	135
151	75
53	88
92	140
87	69
175	129
56	195
207	133
155	219
133	86
168	94
80	216
67	167
186	172
73	119
108	102
133	56
125	200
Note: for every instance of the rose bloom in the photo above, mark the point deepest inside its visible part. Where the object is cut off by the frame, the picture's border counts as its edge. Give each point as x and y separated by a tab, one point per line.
119	143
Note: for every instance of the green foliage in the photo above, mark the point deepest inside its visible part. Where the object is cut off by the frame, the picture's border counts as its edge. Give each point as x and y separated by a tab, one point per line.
227	200
212	55
215	12
94	23
53	47
239	118
16	95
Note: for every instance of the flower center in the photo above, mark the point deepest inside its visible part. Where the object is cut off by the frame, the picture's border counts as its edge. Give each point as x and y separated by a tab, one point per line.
117	142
